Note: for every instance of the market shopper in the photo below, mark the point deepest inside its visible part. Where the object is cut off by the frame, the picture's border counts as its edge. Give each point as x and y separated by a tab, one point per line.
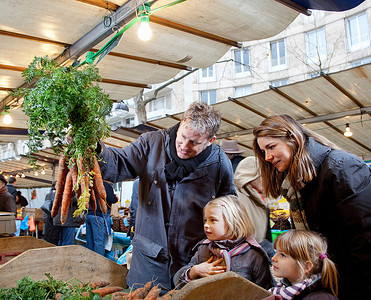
329	191
68	229
306	270
11	186
51	231
98	224
230	147
180	170
248	182
7	202
20	201
229	246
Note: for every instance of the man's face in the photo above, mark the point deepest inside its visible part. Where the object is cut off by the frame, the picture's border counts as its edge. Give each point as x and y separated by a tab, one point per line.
189	142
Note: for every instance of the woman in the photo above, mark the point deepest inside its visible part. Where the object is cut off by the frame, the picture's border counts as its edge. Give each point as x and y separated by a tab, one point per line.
329	191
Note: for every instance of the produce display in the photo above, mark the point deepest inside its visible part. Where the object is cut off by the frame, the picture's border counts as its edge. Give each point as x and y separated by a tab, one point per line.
66	102
75	290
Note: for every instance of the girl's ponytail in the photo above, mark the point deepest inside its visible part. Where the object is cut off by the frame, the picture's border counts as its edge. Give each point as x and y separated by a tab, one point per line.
329	274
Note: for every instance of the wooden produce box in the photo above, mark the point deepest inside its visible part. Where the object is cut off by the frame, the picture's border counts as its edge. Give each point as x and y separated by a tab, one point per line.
223	286
37	213
62	263
10	247
7	223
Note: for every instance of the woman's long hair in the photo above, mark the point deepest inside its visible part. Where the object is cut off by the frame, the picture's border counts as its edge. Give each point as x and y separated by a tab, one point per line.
301	169
304	246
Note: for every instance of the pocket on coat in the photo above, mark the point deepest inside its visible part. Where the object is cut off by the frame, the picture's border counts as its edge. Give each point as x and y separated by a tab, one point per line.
146	246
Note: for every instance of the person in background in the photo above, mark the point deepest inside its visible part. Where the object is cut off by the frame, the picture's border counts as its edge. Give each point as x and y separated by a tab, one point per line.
68	229
7	201
303	263
51	231
98	224
230	147
248	182
180	169
133	207
11	186
20	200
229	246
329	191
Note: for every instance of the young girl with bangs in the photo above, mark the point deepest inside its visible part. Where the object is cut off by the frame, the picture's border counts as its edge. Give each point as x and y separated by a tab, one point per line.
302	262
229	246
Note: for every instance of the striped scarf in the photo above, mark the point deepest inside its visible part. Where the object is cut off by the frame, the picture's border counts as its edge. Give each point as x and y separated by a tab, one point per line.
227	255
297	212
288	291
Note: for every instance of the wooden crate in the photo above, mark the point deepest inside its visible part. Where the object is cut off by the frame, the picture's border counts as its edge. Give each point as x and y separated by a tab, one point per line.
10	247
227	285
63	263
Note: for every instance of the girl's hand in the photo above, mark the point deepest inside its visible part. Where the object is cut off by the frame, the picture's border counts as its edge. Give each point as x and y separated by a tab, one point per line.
206	268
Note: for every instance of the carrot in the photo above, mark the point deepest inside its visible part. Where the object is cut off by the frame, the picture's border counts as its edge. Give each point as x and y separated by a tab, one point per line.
74	173
169	294
100	191
141	292
67	196
153	293
119	296
104	291
92	201
63	169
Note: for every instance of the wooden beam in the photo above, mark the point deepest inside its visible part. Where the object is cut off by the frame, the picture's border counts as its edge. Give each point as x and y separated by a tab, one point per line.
12	68
33	38
297	7
127	83
101	3
150	61
194	31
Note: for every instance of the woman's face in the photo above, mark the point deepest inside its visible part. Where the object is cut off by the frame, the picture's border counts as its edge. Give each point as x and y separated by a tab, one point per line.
276	151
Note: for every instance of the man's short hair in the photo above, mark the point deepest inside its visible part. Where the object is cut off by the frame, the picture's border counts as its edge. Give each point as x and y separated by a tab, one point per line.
12	180
204	118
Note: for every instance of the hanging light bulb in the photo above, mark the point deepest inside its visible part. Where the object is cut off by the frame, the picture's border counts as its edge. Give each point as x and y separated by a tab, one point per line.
347	132
144	31
36	173
23	175
43	172
17	176
7	119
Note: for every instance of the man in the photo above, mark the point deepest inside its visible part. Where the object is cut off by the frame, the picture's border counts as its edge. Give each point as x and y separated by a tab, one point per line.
180	170
230	147
10	186
98	224
7	202
51	231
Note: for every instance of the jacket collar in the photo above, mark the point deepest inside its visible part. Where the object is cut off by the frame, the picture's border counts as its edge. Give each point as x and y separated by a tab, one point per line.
317	152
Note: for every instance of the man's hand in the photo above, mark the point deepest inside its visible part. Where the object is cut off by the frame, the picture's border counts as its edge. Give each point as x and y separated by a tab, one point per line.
206	268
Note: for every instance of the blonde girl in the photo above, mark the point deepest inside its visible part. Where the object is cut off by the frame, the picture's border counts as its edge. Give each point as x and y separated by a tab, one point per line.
229	246
303	263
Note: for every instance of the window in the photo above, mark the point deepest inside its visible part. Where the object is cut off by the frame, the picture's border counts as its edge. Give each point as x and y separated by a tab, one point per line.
316	45
278	55
241	91
363	61
358	33
160	103
242	62
129	122
208	74
278	83
208	97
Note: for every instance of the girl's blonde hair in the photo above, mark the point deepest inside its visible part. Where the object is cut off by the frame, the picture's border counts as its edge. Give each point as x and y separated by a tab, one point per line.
235	215
305	246
295	135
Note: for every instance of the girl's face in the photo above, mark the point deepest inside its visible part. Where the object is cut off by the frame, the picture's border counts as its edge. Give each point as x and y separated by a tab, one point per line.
214	224
284	266
276	151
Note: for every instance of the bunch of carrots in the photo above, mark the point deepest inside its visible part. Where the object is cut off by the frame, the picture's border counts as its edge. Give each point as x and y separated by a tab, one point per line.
147	292
82	178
